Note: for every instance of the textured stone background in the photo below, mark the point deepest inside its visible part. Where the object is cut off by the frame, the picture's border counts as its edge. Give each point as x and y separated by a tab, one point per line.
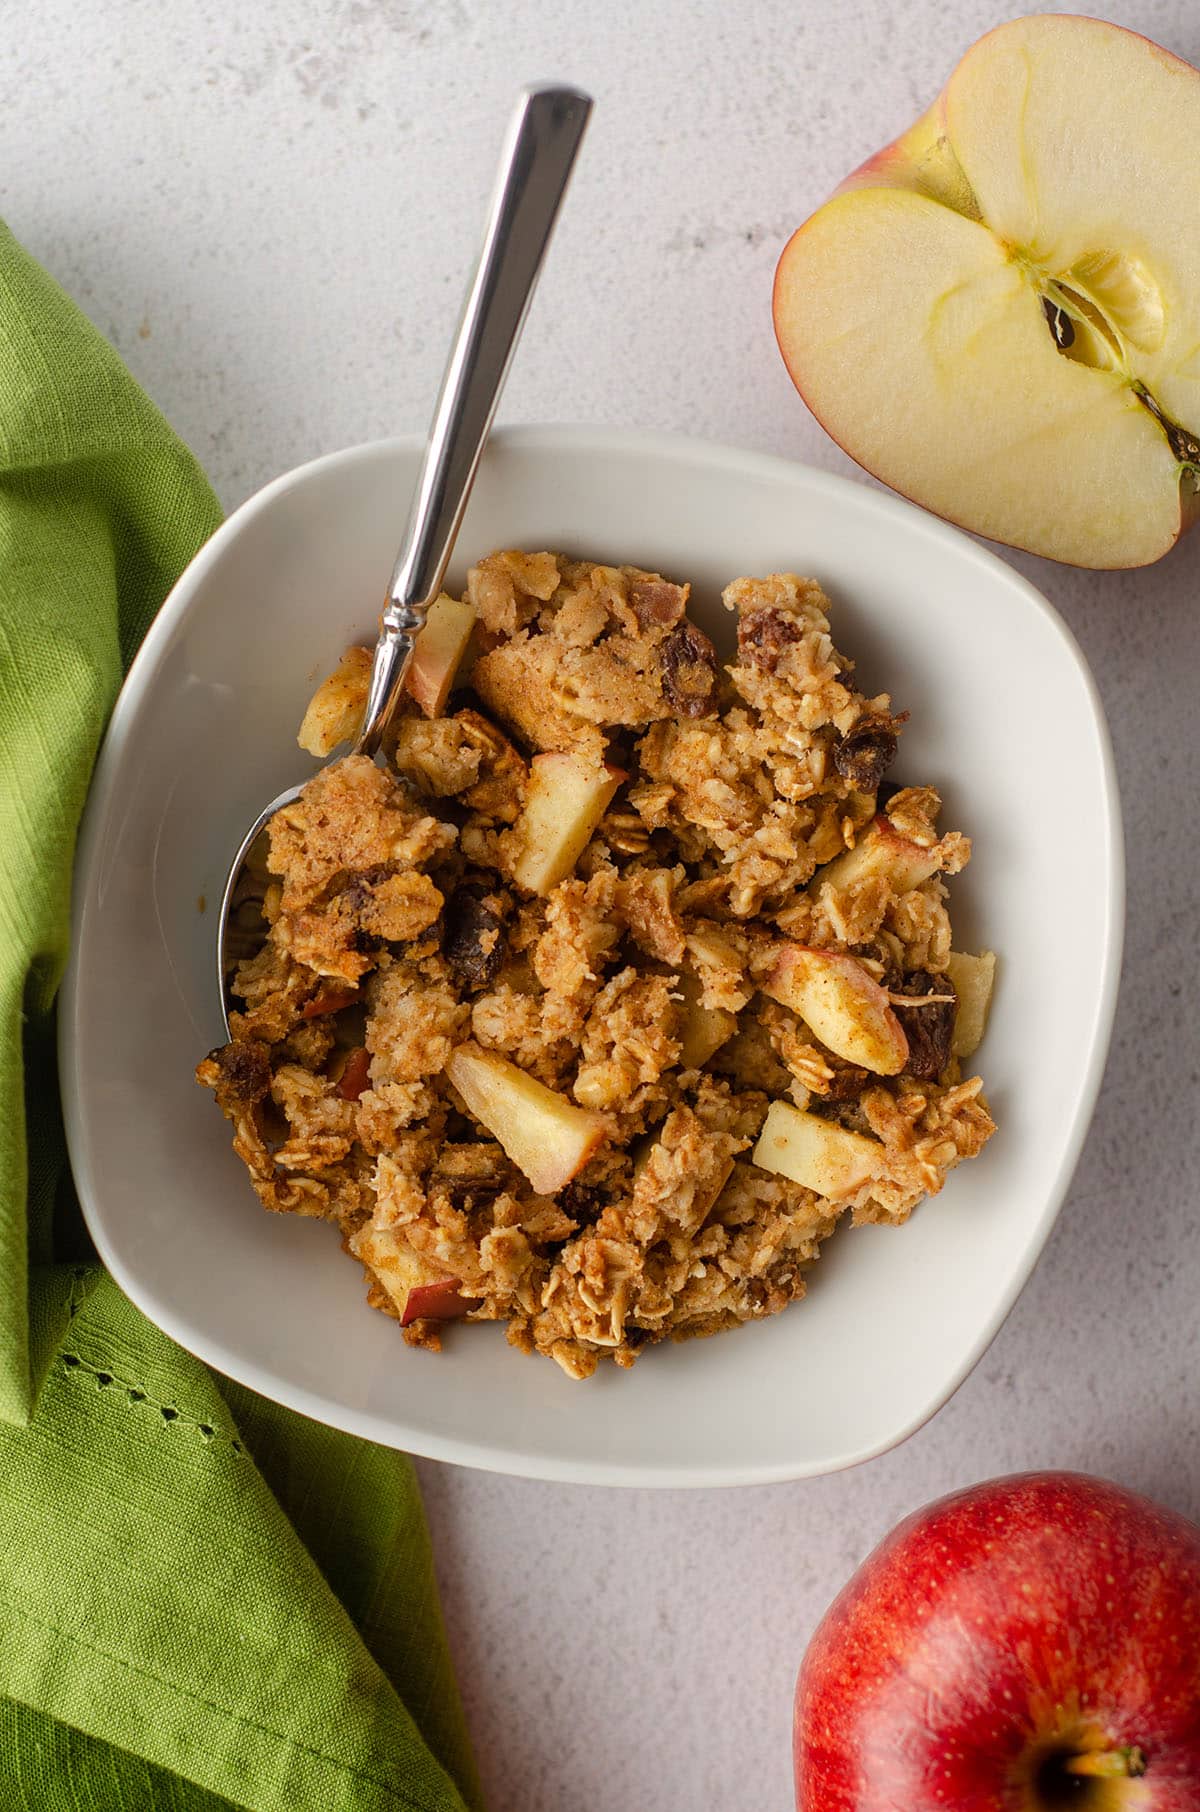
271	209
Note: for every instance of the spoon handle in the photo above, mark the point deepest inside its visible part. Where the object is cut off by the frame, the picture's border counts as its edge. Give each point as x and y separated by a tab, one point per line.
535	167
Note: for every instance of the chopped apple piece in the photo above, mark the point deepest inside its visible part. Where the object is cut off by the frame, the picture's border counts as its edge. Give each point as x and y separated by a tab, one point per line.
438	652
566	798
703	1030
818	1154
998	314
880	851
355	1078
416	1287
441	1301
846	1008
336	707
973	978
720	966
544	1134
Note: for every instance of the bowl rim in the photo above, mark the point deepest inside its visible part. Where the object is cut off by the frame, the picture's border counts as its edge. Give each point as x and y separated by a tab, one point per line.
679	448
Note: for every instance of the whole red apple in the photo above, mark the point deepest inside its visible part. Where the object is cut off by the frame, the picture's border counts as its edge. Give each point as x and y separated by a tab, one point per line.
1029	1645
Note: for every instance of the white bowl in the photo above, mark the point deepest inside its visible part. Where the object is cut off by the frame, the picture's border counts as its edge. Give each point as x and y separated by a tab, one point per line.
1005	720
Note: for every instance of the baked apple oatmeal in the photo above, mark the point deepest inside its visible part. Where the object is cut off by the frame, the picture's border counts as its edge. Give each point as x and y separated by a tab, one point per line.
627	976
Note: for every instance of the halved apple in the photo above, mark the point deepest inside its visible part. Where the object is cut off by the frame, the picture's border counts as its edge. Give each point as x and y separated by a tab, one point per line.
438	652
546	1136
819	1154
565	800
973	978
880	851
844	1005
999	313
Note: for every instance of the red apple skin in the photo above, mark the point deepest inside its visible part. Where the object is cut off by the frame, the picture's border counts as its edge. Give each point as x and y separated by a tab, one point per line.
934	1682
439	1301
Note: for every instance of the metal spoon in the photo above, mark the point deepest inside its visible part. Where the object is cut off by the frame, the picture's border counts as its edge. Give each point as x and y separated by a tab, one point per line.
535	167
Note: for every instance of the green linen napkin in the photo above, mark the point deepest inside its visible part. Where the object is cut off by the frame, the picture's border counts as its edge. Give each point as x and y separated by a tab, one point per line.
205	1600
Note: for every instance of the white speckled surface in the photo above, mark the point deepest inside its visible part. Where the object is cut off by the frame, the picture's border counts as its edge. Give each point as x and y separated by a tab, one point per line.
270	209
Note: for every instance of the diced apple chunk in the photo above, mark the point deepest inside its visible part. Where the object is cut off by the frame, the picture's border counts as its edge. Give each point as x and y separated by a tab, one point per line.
845	1006
703	1030
336	707
973	978
416	1287
566	798
441	1301
880	852
438	653
818	1154
546	1136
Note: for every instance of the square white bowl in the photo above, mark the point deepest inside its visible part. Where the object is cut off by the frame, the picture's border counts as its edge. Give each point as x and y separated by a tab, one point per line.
1005	720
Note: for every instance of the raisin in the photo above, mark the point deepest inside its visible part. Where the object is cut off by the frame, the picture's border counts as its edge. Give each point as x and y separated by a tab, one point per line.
473	940
929	1030
656	603
580	1202
353	900
847	1084
470	1175
688	665
245	1066
866	752
764	634
356	894
365	943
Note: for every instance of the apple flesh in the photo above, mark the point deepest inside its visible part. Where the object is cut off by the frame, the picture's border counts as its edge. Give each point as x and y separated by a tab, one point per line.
818	1154
336	707
998	313
1027	1645
846	1008
438	652
546	1136
881	852
418	1291
565	800
702	1030
973	978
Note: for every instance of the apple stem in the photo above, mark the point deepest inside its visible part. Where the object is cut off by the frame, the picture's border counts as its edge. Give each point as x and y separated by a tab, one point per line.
1107	1764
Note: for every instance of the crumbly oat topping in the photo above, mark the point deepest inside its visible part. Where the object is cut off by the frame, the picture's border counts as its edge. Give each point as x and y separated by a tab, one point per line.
522	998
